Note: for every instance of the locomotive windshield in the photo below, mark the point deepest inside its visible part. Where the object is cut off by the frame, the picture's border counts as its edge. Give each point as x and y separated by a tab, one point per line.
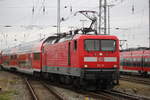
100	45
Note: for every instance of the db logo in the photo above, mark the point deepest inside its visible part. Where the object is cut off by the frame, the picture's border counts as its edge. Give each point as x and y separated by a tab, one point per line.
100	59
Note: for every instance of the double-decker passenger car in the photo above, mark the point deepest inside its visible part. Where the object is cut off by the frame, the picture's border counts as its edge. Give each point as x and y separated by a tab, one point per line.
90	61
135	60
25	58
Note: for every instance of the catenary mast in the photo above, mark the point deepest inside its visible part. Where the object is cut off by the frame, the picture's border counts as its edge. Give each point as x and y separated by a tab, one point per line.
103	17
58	16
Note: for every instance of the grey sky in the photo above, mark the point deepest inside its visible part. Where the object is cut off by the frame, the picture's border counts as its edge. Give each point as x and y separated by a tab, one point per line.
18	13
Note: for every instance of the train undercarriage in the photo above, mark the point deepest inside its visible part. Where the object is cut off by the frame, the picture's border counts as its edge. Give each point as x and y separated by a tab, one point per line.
89	80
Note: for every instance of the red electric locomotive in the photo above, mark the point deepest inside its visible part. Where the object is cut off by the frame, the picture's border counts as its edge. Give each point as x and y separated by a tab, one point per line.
84	59
136	60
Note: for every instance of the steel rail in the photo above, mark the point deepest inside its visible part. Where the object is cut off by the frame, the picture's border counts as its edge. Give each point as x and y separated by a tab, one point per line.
126	95
134	79
34	96
53	91
100	95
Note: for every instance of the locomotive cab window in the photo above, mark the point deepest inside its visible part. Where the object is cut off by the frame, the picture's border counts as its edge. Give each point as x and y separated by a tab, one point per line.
100	45
92	45
108	45
36	56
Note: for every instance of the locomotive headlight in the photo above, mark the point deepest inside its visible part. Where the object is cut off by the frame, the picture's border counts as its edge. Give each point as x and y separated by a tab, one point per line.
100	54
85	66
115	66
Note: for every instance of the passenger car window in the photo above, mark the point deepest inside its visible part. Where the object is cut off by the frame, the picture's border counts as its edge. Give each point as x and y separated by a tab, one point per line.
36	56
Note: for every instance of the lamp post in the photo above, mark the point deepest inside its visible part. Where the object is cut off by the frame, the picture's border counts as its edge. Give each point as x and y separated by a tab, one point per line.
100	5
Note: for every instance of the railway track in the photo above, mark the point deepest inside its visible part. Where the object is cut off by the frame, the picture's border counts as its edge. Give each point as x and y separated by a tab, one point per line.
100	96
135	79
42	91
126	95
110	95
116	95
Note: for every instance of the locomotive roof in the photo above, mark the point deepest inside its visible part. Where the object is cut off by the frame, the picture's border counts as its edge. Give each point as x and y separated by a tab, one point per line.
95	36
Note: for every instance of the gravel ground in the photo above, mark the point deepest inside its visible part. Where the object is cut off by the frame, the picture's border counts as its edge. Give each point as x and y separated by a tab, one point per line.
73	95
134	88
12	87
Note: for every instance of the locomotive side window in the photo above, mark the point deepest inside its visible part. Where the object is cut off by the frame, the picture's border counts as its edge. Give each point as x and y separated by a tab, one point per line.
36	56
75	44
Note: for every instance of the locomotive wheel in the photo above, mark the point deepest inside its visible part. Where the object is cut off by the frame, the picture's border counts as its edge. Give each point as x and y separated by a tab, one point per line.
62	79
51	78
89	85
76	83
107	84
45	75
67	80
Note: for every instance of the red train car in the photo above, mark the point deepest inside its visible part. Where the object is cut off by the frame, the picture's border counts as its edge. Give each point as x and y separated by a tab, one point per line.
136	60
82	60
25	58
